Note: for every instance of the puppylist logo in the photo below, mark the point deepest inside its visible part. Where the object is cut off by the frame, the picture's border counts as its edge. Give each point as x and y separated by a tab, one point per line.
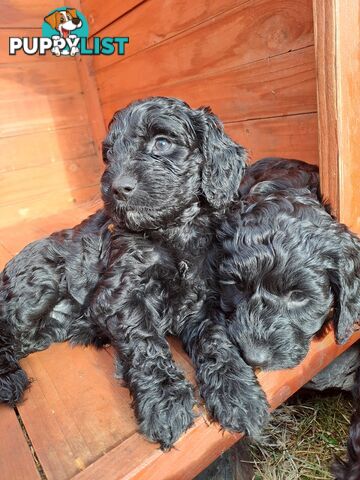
65	32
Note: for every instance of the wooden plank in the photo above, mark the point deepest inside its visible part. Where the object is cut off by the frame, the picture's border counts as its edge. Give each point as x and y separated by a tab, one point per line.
276	27
325	46
100	14
348	75
156	21
52	177
337	33
17	13
16	462
92	102
290	137
47	113
48	204
41	148
73	419
137	459
277	86
38	79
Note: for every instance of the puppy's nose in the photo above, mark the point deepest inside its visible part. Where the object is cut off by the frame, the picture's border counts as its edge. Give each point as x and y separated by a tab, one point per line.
122	187
76	21
256	357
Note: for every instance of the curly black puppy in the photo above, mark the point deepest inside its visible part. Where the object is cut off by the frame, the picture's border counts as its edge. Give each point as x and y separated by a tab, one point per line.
287	263
171	175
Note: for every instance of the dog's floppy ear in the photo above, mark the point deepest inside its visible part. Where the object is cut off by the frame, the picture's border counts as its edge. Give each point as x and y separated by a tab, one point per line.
52	20
345	283
225	162
72	12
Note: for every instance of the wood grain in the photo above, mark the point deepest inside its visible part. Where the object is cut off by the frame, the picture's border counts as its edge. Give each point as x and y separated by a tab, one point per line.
16	462
154	22
199	446
48	204
37	79
100	14
276	27
73	419
44	113
18	13
49	178
282	85
41	148
92	102
290	137
325	43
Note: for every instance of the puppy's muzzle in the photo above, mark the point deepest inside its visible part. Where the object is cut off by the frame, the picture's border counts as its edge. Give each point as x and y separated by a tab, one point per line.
123	187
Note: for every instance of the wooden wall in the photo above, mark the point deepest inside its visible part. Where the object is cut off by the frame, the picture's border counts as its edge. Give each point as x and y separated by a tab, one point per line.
252	61
48	156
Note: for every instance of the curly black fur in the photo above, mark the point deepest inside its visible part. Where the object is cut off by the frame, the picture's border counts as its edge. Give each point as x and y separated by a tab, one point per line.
171	175
286	263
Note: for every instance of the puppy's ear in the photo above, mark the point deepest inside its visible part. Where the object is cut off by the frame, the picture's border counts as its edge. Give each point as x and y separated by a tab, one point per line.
72	12
52	20
225	162
345	283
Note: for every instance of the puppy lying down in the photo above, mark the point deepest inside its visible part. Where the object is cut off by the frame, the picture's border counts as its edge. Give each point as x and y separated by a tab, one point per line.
288	267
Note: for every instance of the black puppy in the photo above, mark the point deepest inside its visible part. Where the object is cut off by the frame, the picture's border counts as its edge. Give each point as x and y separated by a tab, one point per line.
287	263
171	175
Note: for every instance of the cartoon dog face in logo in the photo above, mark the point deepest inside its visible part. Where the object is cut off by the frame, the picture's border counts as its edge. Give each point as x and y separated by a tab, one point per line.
64	21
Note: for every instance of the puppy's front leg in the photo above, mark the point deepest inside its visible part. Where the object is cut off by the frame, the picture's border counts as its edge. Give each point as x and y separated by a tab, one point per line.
128	308
227	384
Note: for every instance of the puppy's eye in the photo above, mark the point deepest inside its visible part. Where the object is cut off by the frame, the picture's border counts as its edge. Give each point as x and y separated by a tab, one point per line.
297	296
162	144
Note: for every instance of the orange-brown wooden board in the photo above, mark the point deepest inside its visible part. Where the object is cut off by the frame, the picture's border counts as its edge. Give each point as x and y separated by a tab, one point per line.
75	410
18	13
281	85
49	178
16	462
100	14
48	204
38	79
156	21
41	148
217	45
199	446
92	102
325	41
18	117
292	136
13	239
348	74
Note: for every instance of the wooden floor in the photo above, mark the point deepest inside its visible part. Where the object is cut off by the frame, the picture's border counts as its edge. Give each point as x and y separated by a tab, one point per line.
76	420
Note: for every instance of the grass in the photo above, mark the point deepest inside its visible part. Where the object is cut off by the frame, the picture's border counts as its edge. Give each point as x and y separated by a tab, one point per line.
304	436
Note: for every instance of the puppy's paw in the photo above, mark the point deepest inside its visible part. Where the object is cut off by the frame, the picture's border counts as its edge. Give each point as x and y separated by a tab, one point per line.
163	419
236	401
12	386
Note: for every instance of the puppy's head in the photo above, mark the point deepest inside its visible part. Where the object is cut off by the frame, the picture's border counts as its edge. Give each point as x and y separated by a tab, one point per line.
163	157
65	21
288	268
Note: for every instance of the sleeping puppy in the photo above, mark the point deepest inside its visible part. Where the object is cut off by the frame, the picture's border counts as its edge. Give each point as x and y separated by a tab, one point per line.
288	266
